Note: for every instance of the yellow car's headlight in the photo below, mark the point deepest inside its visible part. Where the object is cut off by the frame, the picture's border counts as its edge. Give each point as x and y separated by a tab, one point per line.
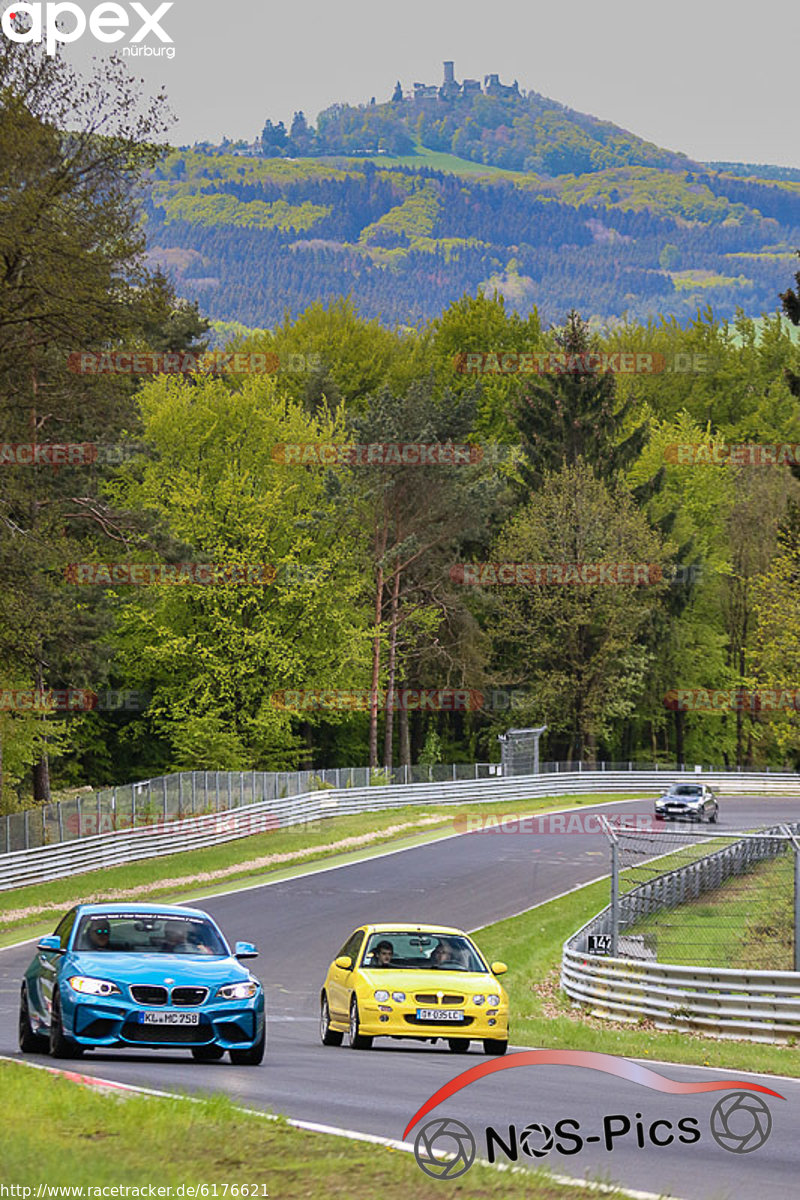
494	1000
398	997
478	999
237	991
381	996
93	987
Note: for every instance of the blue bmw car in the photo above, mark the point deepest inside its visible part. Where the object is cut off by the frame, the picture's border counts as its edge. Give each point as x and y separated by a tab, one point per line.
144	976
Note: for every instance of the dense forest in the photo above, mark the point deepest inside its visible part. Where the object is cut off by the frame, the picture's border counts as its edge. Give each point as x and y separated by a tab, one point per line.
206	568
252	239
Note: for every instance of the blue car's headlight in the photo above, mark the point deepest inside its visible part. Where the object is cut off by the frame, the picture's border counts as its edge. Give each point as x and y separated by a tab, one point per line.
93	987
237	991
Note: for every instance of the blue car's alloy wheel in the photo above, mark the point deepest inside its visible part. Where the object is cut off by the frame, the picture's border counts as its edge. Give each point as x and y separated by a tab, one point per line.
29	1042
61	1046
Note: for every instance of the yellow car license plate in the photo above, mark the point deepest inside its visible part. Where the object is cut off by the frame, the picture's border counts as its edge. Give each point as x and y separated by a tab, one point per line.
440	1014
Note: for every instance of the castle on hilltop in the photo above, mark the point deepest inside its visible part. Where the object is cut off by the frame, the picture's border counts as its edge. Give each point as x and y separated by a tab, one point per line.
451	89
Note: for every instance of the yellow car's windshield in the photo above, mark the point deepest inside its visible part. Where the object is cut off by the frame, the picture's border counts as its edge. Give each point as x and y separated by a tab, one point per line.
408	950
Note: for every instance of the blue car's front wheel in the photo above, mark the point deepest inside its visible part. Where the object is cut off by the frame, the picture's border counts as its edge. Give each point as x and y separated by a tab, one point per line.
253	1056
61	1046
29	1042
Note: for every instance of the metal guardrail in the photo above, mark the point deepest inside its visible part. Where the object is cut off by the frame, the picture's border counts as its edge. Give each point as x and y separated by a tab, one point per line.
92	852
195	793
727	1002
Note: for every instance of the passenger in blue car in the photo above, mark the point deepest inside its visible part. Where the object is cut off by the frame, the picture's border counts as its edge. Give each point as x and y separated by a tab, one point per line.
179	940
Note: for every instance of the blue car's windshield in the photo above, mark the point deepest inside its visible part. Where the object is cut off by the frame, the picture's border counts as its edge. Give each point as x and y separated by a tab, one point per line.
148	933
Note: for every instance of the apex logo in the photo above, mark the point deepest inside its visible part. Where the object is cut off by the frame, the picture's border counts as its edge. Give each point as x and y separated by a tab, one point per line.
63	21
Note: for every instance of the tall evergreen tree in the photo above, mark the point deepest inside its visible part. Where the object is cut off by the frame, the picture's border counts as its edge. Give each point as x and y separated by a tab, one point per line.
571	412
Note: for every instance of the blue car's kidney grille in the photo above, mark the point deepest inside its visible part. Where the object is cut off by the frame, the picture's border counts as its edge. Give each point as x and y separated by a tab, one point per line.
146	993
188	996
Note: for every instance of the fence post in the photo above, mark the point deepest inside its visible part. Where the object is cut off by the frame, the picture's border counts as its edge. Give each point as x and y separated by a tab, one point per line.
180	794
80	816
26	829
194	794
133	806
164	793
614	898
796	905
60	825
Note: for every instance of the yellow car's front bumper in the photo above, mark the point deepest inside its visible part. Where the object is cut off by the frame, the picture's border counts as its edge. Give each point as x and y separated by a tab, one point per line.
400	1020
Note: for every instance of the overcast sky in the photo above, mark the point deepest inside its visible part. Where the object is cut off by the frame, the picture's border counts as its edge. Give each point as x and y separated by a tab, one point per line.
715	80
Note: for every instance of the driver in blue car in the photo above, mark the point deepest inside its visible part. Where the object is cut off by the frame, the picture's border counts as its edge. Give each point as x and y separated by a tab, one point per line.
99	935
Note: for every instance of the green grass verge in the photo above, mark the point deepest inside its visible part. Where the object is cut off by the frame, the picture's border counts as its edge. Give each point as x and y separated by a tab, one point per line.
746	923
69	1135
541	1015
193	874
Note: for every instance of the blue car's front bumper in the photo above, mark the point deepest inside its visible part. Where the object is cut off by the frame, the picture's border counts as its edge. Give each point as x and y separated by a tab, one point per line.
116	1021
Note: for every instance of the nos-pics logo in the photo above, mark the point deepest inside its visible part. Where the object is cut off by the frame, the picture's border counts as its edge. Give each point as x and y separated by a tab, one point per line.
445	1148
62	22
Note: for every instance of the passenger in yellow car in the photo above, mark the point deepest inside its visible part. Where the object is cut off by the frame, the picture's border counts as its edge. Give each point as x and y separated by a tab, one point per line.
446	955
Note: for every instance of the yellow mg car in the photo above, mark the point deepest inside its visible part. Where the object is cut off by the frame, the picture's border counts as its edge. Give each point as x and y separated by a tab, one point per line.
413	981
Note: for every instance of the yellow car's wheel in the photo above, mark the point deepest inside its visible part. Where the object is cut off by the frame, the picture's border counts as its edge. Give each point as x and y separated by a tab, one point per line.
328	1036
458	1045
357	1040
494	1046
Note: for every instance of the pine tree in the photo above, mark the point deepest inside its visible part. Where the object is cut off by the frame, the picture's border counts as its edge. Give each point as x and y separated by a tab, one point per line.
572	413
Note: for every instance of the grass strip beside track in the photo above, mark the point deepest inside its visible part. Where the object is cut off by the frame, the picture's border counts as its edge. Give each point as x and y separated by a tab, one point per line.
541	1015
69	1135
747	923
192	874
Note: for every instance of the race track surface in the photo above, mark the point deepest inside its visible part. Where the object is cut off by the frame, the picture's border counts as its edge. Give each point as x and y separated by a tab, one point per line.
467	881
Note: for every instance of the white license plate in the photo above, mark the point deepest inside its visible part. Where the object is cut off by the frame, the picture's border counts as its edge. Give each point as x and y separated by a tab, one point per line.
440	1014
169	1018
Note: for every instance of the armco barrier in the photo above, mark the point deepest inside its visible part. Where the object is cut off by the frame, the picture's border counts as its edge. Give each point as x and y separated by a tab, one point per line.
42	863
725	1002
196	793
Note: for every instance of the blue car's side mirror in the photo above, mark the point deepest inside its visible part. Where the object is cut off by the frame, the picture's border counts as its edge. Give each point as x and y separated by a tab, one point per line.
245	950
50	943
